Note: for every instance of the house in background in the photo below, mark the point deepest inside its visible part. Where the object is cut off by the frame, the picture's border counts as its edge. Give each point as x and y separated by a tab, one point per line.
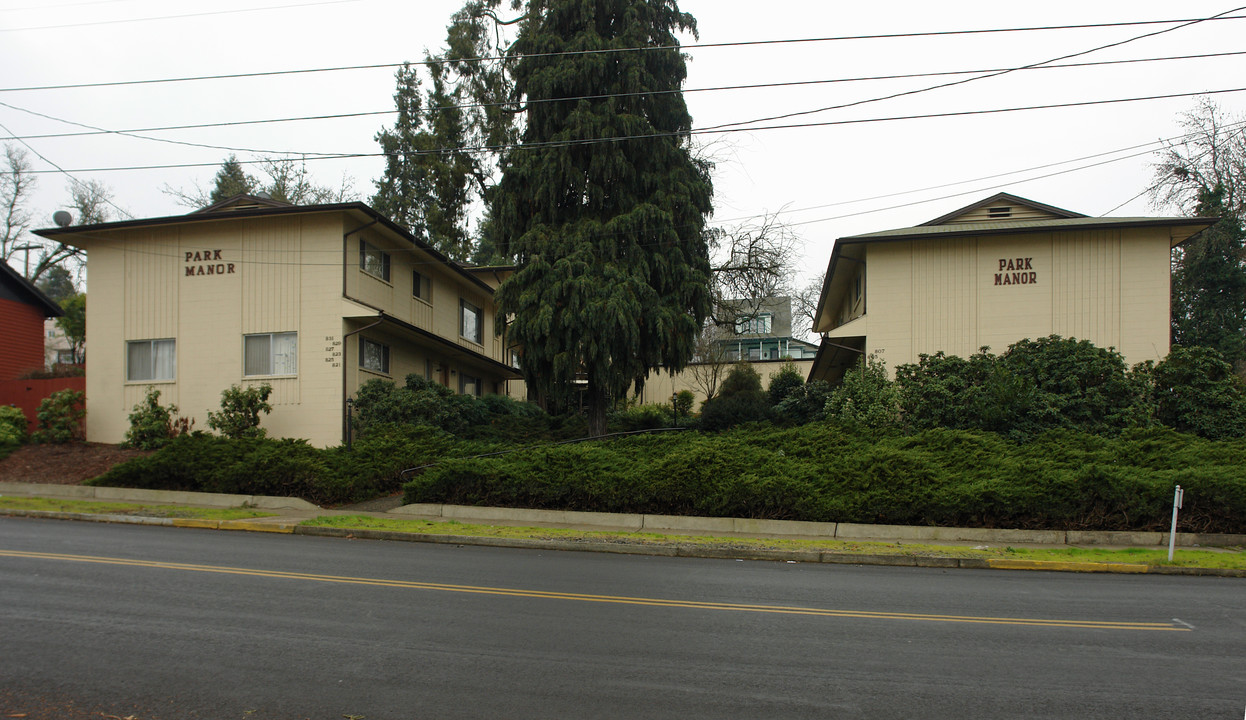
57	349
763	331
23	312
312	300
996	272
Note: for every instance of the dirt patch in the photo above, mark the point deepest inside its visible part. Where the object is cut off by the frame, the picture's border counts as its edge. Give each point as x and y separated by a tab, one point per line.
68	464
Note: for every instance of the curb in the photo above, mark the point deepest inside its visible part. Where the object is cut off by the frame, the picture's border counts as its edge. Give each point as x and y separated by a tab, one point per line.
656	550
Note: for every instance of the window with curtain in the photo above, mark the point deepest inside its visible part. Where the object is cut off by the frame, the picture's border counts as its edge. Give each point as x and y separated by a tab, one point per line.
270	354
148	360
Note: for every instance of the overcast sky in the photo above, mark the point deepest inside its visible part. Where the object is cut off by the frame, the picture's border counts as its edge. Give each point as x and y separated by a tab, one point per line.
830	180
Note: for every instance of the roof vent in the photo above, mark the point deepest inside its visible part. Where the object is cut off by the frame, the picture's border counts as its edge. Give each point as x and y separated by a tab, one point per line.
999	212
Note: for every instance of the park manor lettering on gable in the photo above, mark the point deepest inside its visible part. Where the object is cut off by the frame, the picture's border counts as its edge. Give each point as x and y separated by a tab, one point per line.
1016	271
203	262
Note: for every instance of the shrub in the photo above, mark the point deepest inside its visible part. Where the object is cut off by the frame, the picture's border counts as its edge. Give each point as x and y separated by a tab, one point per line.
866	398
683	403
153	425
1196	391
13	418
805	404
640	417
785	382
1036	385
739	400
60	417
422	402
240	411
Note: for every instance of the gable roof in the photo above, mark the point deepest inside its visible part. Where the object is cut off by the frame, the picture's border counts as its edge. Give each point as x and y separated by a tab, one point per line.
24	291
977	219
1000	207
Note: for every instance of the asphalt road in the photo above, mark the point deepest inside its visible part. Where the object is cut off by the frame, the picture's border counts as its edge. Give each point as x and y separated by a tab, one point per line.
169	623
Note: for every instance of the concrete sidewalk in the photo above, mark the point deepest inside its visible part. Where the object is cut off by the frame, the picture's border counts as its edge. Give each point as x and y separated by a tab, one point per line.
288	513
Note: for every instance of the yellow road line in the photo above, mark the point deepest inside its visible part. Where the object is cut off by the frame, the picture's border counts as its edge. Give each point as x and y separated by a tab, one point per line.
613	599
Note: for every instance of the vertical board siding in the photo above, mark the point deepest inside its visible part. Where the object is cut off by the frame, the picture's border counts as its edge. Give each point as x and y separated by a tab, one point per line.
944	296
1086	268
272	258
150	303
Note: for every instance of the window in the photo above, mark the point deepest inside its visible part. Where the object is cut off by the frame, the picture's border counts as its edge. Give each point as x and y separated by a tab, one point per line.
150	360
270	354
759	325
373	356
470	322
421	286
65	357
469	385
373	261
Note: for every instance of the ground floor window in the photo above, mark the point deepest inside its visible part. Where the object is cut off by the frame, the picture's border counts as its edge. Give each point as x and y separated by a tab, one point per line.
150	360
270	354
373	356
469	385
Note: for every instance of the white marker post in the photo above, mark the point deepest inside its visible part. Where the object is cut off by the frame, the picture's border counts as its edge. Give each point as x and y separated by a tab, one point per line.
1172	534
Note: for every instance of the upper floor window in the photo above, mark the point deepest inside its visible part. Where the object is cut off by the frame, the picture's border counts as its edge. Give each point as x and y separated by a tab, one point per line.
471	322
270	354
759	325
373	356
373	260
421	286
150	360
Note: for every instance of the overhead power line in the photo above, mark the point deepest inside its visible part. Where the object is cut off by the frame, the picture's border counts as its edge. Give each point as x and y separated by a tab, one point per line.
175	17
965	81
695	131
756	86
744	43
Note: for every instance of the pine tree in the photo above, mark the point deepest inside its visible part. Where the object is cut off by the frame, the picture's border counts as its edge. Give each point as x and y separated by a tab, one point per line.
602	206
231	180
403	191
1209	283
425	186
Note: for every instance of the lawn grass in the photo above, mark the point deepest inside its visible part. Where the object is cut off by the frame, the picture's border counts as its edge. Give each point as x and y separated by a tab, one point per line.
1185	557
101	507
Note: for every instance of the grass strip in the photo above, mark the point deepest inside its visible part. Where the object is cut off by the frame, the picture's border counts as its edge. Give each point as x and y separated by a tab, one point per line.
1225	558
103	507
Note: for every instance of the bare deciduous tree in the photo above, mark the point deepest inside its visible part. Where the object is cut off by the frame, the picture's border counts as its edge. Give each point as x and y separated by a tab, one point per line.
16	184
1212	153
711	362
805	307
751	262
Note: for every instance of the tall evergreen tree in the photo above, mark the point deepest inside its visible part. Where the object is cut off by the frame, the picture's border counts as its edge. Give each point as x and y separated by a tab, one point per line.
425	185
231	180
602	205
1209	283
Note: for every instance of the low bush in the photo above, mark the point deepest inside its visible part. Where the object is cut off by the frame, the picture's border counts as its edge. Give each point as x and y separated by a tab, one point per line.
240	411
60	417
13	424
831	472
152	425
740	400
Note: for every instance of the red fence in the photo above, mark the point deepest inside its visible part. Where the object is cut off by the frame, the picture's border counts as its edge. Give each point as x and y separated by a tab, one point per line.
27	394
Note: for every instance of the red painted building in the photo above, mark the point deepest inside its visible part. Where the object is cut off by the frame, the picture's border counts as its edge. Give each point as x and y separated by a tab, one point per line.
22	311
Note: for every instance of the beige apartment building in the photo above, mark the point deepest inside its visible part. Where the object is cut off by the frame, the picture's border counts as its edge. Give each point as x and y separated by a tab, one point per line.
995	272
312	300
